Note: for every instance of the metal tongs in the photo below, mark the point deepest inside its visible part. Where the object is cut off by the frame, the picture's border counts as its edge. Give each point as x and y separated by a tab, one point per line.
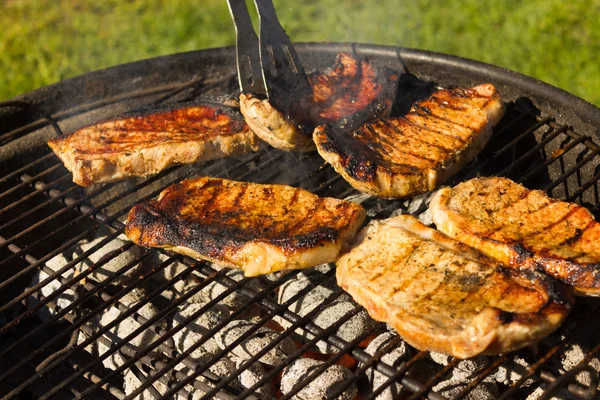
275	69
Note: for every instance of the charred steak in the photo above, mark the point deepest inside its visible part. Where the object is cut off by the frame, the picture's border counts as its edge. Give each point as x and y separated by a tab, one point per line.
146	142
404	156
350	93
257	228
523	228
444	296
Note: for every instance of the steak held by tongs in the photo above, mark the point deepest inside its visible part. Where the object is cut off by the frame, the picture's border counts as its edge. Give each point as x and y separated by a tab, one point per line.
414	153
282	104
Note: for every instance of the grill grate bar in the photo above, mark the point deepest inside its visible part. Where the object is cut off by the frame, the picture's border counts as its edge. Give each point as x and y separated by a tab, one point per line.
240	339
509	146
576	168
12	239
362	368
142	378
317	371
208	305
95	336
107	387
49	186
398	375
127	351
198	384
579	192
38	190
553	159
43	384
7	137
556	384
72	306
531	370
589	143
78	205
435	379
62	313
305	347
271	345
481	375
289	331
20	185
532	151
56	274
24	168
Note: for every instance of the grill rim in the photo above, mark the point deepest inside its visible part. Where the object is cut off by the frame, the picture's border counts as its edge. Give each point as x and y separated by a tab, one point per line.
218	62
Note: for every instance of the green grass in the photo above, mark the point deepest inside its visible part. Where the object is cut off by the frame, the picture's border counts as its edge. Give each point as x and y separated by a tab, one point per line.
556	41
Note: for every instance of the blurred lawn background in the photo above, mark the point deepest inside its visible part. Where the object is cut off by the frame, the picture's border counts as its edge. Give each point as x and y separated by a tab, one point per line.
556	41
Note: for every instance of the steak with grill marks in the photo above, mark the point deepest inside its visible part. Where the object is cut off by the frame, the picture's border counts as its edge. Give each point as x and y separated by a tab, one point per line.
146	142
257	228
411	154
350	93
444	296
523	228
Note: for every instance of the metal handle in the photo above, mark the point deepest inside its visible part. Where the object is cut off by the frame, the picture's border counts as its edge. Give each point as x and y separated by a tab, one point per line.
246	42
286	83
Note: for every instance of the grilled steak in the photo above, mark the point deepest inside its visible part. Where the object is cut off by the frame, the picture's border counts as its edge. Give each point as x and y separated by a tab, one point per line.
257	228
444	296
146	142
272	126
350	93
404	156
523	228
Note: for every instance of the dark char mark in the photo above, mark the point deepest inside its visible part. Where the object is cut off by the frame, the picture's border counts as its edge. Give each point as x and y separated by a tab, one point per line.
558	293
506	317
377	137
386	78
427	113
399	132
424	127
356	158
160	227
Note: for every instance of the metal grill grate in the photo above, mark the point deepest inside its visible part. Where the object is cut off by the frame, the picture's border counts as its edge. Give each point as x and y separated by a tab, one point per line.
43	215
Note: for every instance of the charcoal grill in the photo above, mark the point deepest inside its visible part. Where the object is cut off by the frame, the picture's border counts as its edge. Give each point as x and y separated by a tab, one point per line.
547	140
